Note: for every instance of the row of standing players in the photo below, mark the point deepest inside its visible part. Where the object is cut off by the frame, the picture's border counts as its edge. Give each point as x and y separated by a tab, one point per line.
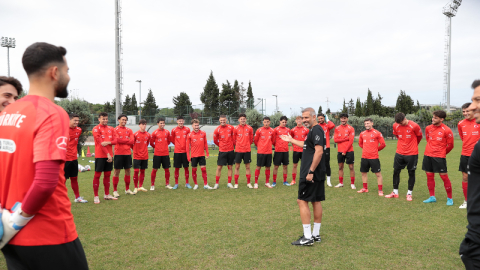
191	147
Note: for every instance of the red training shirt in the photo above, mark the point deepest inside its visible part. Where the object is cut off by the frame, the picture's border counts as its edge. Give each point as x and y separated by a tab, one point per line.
264	140
124	141
160	141
35	129
409	136
140	146
344	136
197	143
439	141
178	137
73	135
326	129
223	137
101	134
299	134
368	141
280	145
469	132
243	138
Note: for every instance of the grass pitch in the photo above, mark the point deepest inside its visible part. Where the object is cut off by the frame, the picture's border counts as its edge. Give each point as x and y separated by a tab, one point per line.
245	228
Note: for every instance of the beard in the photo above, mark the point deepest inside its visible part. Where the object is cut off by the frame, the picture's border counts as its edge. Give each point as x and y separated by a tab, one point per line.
61	88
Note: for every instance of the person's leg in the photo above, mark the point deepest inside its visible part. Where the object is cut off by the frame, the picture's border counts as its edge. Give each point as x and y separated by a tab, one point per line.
340	174
285	173
275	172
465	184
317	218
379	181
447	184
135	177
194	175
248	173
187	175
142	177
218	173
257	174
294	173
365	180
411	181
396	180
106	182
267	175
167	176
115	179
352	173
204	175
237	173
96	183
305	216
229	173
153	176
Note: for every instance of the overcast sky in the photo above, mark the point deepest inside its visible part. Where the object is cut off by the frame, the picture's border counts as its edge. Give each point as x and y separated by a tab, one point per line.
302	51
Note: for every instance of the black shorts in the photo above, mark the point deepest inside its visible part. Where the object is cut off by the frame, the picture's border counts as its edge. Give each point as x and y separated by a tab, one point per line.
101	165
122	162
463	163
401	161
281	158
246	157
71	169
180	159
225	158
311	192
198	160
264	160
367	164
141	164
161	161
297	156
349	158
65	256
434	164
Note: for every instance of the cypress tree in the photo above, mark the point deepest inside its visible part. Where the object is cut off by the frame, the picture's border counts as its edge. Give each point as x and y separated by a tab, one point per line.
210	97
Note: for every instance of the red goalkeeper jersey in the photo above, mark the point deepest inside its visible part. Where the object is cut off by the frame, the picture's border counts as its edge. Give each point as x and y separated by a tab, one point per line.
124	141
160	140
299	134
140	146
74	134
439	141
264	140
369	140
178	137
243	138
280	145
343	136
409	136
223	137
326	129
197	144
469	132
101	134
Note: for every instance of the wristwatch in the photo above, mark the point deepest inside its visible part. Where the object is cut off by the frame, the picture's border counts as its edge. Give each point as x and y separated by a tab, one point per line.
310	172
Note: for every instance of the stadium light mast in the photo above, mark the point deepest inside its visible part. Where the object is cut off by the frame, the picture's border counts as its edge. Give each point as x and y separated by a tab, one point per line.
9	43
140	96
449	10
276	102
118	58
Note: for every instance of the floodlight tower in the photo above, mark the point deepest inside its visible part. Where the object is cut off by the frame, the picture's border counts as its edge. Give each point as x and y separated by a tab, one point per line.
118	58
449	10
9	43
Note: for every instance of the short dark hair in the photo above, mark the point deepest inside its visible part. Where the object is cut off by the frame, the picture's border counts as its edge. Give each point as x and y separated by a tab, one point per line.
122	115
266	118
142	122
466	105
399	117
242	115
320	114
283	118
73	115
102	114
440	114
40	55
368	119
180	118
475	84
344	115
222	116
195	121
161	119
13	82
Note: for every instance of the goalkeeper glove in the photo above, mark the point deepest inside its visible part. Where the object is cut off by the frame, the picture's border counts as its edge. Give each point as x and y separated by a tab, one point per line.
326	118
12	223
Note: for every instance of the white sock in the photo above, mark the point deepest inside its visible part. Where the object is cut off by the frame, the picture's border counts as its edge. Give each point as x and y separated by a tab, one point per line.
409	192
307	231
328	179
316	229
395	191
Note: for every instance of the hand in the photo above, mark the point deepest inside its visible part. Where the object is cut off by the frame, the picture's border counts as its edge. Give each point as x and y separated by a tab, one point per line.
109	158
188	159
206	157
310	178
105	143
287	138
344	153
12	223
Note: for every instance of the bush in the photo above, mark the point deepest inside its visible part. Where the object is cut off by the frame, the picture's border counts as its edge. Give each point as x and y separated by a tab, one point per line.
254	118
82	108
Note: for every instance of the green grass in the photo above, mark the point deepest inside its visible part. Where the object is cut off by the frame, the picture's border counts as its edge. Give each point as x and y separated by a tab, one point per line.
237	229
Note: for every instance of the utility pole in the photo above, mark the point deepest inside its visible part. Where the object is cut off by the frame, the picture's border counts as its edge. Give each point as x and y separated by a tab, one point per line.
276	102
118	58
9	43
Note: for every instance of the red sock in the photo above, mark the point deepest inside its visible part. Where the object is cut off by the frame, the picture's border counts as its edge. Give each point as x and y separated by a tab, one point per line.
167	176
465	189
447	184
115	182
96	183
431	183
74	184
229	179
153	175
274	178
380	187
365	185
284	177
194	175
340	179
177	174
352	180
126	178
204	175
135	177
249	176
236	179
217	179
142	177
267	176
106	182
294	176
257	174
187	174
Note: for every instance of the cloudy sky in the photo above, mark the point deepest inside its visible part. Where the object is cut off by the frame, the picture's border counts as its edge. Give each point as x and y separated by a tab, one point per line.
302	51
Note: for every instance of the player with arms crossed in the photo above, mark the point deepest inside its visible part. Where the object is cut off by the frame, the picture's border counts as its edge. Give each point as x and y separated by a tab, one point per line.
178	137
197	145
439	144
38	228
299	133
140	156
264	140
469	132
161	158
123	154
223	138
344	136
281	156
71	165
327	126
371	141
243	139
10	89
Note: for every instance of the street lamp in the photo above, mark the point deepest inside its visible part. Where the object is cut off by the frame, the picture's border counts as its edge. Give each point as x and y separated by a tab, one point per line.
9	43
276	102
140	96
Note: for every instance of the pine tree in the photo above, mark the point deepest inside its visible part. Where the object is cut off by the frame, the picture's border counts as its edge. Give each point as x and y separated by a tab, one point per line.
227	99
250	99
344	109
377	106
358	108
149	105
183	105
369	104
107	107
127	104
133	104
243	96
210	97
328	111
351	107
319	110
236	100
405	103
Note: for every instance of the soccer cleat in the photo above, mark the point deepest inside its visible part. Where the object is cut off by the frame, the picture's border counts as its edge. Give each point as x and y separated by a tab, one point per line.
142	189
316	238
292	183
274	184
235	186
96	200
409	198
115	194
195	187
168	187
255	186
363	190
286	184
152	188
129	192
302	241
249	185
80	200
449	201
329	184
215	186
268	185
135	190
188	186
432	199
464	205
109	197
207	187
391	195
339	186
175	187
380	193
353	186
229	185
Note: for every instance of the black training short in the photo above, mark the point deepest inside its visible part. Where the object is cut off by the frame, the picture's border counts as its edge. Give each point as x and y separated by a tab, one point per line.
349	157
122	162
463	163
198	160
71	169
434	164
246	157
101	165
297	156
401	161
280	158
161	161
367	164
225	158
264	160
141	164
311	192
65	256
180	159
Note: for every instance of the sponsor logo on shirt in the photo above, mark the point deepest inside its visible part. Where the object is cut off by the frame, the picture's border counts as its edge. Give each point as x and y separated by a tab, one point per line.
62	142
7	145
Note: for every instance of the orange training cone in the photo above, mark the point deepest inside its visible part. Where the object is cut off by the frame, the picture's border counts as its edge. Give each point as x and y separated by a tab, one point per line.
88	152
